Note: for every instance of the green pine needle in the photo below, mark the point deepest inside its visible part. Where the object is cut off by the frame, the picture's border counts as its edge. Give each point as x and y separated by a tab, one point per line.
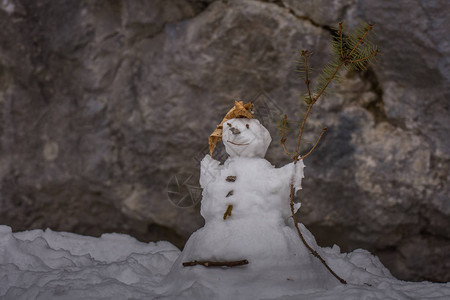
350	52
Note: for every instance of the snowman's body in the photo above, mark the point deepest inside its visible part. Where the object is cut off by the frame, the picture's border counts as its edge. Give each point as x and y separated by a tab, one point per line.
257	215
258	228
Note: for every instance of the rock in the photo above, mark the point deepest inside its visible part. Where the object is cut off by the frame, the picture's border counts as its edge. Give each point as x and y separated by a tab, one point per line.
103	104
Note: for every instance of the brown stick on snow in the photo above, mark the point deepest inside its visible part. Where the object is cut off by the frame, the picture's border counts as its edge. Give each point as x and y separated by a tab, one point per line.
216	263
314	252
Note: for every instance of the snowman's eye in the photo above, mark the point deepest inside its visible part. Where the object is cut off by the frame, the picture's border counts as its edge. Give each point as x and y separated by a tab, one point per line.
246	125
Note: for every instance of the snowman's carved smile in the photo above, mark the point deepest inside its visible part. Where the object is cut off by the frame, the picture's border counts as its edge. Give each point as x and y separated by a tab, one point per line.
237	144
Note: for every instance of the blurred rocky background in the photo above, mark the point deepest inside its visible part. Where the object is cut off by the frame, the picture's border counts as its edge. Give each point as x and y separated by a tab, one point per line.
104	104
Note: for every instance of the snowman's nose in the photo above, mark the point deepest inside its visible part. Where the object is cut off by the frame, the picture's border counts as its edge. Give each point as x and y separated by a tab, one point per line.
235	130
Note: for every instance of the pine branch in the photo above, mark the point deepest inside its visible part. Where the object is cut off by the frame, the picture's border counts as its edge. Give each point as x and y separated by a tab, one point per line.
340	40
328	81
361	52
360	40
305	55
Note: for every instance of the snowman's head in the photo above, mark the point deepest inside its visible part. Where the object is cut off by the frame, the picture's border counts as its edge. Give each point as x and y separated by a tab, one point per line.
245	138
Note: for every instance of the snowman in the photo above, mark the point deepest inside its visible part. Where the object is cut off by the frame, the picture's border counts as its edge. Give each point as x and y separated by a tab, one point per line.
248	240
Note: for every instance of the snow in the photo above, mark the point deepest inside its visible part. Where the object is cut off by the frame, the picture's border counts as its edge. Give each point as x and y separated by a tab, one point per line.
264	187
247	217
47	265
244	137
57	265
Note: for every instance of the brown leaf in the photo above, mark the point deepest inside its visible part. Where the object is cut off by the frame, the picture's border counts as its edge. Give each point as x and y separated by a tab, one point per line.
240	110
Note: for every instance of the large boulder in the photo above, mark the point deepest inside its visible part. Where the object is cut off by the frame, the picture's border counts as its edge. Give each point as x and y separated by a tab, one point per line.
105	106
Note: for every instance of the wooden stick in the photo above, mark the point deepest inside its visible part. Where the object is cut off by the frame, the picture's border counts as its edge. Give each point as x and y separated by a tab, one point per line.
314	252
310	105
216	263
345	59
307	81
228	212
315	145
369	28
341	40
283	138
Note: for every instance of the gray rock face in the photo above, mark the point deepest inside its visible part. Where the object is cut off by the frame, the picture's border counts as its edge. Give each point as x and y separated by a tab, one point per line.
103	103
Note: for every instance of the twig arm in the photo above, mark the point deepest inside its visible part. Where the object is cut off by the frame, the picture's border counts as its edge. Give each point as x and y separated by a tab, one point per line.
317	142
345	59
311	102
283	138
215	263
314	252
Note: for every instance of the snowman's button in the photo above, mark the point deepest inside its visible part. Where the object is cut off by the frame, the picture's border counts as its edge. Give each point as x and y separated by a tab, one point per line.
231	178
230	193
228	212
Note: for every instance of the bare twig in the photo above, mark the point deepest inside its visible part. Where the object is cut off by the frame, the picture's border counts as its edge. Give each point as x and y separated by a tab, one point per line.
302	127
216	263
283	138
317	142
297	158
314	252
304	54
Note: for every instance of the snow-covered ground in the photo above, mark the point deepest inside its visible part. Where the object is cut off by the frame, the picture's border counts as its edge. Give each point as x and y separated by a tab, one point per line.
57	265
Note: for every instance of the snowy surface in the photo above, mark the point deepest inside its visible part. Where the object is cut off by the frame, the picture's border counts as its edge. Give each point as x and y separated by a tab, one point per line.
50	265
55	265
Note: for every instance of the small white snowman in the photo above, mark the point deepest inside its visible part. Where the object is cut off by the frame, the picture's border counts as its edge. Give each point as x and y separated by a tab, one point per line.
245	205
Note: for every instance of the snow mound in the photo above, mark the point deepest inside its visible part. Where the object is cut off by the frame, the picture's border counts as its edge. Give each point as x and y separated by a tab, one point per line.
47	265
56	265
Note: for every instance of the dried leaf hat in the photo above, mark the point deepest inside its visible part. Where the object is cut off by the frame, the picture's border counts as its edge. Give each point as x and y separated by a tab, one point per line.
240	110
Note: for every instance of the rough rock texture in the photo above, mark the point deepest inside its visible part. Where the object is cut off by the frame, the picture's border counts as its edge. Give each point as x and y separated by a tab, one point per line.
103	102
